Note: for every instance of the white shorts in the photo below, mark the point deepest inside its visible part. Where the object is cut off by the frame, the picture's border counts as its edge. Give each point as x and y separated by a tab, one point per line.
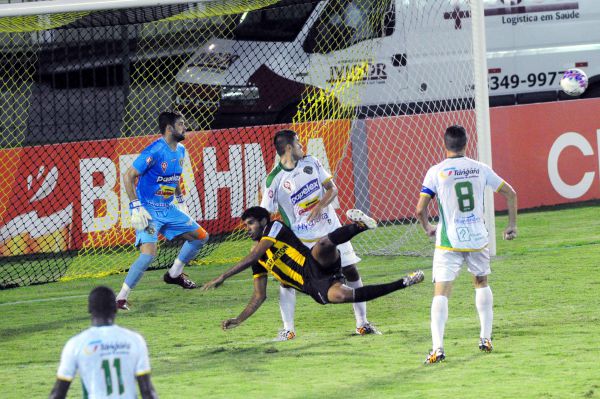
347	254
447	264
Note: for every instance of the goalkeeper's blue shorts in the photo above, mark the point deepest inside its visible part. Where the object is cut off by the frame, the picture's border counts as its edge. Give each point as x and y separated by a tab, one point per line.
170	222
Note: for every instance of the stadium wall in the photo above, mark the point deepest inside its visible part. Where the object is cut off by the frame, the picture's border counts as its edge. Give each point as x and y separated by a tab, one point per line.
549	152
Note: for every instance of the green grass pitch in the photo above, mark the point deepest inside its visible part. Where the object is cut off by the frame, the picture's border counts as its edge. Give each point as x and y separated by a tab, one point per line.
546	330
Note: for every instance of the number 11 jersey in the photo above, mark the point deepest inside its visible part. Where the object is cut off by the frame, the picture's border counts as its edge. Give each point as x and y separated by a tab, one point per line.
108	358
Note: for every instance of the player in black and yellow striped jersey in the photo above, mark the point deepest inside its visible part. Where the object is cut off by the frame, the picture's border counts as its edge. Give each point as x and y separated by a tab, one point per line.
316	271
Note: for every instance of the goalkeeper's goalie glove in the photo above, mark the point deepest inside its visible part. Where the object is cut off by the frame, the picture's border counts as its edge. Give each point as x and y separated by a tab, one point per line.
139	215
180	204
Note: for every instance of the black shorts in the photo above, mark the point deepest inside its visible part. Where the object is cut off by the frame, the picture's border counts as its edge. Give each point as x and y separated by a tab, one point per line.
318	280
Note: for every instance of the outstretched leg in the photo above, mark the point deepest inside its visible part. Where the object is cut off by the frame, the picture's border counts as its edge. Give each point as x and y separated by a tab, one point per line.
340	293
325	251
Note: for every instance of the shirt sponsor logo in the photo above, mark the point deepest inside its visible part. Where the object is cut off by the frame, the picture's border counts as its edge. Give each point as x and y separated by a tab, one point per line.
92	347
307	206
313	223
115	347
168	179
470	219
308	189
459	173
165	192
275	257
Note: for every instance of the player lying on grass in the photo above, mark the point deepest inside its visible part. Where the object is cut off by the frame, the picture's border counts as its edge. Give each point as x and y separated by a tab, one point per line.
316	271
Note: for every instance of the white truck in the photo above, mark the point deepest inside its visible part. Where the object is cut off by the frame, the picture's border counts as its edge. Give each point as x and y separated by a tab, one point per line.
259	74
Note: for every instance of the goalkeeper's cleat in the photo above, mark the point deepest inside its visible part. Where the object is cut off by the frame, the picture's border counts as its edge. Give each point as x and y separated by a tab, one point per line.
435	356
284	335
122	304
413	278
358	216
485	345
367	329
182	280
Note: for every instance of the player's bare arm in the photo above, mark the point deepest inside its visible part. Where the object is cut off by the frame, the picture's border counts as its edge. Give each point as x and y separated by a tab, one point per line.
253	257
331	191
129	180
146	388
60	389
423	215
259	296
510	232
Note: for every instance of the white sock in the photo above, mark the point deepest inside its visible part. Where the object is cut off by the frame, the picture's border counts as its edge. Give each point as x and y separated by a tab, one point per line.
177	268
287	306
360	308
484	301
439	316
124	293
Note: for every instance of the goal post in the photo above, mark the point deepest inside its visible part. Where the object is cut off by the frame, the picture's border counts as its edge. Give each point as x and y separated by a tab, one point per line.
370	86
482	113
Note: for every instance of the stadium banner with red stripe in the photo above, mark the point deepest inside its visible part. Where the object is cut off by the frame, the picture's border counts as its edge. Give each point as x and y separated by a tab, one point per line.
549	152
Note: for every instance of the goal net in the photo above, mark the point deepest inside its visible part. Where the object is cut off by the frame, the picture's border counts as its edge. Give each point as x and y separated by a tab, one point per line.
370	86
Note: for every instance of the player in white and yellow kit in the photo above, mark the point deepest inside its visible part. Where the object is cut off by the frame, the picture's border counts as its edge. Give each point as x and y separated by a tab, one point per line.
459	182
301	190
111	360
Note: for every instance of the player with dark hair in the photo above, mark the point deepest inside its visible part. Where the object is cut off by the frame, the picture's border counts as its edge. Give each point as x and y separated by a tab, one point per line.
316	271
158	206
108	358
461	236
301	190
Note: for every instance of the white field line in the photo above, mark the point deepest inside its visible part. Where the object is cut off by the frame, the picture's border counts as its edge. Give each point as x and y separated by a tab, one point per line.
67	297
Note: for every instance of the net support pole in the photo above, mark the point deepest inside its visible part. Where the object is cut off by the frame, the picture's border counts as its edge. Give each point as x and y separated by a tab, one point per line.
482	111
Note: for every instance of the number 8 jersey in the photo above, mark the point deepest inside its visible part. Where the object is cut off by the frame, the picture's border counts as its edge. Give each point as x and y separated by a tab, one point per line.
459	185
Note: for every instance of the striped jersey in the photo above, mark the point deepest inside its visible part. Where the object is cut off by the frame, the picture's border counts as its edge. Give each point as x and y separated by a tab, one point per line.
295	192
160	170
108	358
459	184
287	260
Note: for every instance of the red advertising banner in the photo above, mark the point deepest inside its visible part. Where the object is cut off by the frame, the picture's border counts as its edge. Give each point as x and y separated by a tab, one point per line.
550	153
70	196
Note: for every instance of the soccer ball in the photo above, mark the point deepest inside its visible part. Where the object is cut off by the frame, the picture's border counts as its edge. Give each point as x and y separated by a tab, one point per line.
574	82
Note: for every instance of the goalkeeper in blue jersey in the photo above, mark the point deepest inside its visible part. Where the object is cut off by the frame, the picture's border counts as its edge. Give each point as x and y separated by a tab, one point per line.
158	206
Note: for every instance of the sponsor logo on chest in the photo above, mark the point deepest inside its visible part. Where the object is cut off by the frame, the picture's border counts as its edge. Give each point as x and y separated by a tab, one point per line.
309	188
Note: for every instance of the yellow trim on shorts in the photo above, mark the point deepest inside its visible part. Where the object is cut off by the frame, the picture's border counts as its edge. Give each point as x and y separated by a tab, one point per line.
424	195
460	249
258	275
142	373
63	378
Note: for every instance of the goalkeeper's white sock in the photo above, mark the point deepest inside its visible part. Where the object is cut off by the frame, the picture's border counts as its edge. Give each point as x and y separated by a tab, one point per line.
177	268
287	306
439	316
360	308
484	301
124	293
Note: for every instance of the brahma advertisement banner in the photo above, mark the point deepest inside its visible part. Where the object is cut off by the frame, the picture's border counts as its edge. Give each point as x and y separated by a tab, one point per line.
71	196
